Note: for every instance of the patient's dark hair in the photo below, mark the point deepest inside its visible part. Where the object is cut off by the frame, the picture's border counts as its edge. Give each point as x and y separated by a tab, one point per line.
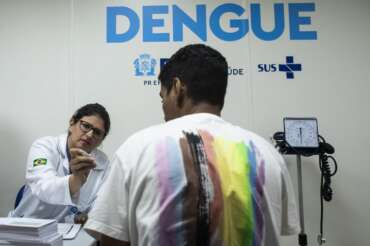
202	69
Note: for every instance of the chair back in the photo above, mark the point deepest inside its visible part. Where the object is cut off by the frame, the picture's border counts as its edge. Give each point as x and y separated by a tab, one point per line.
19	196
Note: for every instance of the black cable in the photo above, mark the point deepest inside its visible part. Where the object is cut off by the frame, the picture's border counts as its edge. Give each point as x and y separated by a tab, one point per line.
326	192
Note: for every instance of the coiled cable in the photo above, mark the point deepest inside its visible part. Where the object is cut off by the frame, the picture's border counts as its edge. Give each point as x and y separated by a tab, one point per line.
326	192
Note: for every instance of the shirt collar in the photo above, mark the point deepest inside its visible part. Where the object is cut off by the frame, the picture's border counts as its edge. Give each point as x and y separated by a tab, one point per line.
199	118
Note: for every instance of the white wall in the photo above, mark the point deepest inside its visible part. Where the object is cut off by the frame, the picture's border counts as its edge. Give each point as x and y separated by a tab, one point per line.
54	58
35	83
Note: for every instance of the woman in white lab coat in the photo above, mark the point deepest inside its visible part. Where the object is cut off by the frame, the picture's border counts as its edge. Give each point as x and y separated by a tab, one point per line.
64	173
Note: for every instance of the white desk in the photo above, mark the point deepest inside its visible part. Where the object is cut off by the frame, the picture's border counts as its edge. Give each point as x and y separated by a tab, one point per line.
82	239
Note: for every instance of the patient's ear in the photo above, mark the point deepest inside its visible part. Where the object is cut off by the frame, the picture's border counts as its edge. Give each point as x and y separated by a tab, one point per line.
180	91
179	86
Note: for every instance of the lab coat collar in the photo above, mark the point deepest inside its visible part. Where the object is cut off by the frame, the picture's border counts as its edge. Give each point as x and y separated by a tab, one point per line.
62	149
62	145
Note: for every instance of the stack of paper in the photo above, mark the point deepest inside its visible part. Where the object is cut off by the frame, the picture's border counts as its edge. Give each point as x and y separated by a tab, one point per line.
26	231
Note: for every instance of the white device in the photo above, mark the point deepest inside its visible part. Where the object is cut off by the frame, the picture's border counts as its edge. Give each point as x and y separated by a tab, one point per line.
301	132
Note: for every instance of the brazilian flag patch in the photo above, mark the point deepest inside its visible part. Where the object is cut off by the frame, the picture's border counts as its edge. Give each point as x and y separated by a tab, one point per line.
40	162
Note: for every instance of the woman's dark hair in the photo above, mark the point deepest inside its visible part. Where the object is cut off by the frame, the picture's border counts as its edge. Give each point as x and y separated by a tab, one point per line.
93	109
202	69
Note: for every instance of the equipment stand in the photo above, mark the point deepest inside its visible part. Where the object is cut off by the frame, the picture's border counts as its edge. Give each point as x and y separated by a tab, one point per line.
302	237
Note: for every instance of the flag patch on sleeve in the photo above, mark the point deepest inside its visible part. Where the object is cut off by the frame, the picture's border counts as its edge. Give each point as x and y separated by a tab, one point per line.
40	162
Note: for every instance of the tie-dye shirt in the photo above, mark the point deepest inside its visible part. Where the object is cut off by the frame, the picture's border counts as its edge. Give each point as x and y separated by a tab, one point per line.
196	180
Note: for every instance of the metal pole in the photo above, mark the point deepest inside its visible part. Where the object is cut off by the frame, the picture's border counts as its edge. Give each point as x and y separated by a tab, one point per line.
302	238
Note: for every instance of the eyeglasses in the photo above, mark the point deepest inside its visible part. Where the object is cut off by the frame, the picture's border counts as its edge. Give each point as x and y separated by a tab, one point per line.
87	127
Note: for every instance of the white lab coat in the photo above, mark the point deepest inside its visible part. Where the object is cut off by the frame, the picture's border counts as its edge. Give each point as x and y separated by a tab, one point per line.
47	194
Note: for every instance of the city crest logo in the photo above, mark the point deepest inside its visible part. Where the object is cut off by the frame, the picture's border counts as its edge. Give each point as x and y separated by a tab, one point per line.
145	65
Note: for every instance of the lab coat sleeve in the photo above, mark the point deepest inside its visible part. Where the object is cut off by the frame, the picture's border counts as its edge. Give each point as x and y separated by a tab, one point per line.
45	181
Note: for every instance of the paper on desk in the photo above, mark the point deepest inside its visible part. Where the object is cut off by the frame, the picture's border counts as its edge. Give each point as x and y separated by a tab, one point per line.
28	230
68	231
53	240
9	222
